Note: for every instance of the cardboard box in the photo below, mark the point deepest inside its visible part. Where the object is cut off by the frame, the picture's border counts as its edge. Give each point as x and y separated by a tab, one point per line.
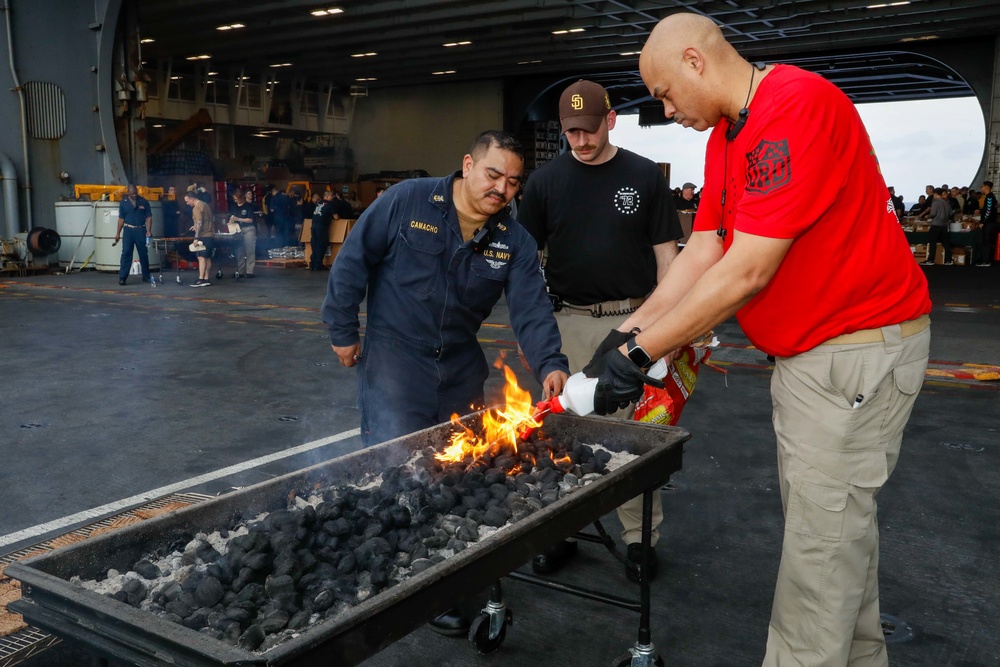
339	229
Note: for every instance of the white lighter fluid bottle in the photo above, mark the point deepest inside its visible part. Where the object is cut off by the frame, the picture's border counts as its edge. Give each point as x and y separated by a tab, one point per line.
578	394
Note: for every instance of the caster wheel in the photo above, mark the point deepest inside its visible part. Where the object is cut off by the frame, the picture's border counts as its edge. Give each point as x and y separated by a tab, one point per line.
626	660
218	275
178	280
479	635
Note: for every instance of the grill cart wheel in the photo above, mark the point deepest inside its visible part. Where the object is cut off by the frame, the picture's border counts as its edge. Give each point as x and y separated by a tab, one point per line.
218	274
479	633
638	659
178	280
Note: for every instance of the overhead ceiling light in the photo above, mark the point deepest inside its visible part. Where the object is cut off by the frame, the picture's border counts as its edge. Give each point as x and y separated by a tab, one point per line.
208	129
281	65
888	4
451	44
158	125
563	32
262	136
529	62
448	71
629	53
203	56
327	12
267	131
364	55
146	40
231	26
243	78
367	78
919	39
174	78
213	73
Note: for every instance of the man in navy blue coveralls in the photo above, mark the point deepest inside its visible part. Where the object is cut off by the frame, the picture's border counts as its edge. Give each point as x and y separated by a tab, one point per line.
434	256
135	215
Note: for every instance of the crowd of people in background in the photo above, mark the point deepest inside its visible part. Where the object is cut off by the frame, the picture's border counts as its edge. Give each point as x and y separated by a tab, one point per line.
953	204
946	204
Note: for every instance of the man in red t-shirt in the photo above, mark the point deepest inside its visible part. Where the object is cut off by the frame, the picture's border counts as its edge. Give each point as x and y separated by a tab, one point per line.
797	236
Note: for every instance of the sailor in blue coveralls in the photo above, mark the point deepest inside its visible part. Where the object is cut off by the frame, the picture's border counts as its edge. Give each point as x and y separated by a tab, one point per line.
434	256
135	215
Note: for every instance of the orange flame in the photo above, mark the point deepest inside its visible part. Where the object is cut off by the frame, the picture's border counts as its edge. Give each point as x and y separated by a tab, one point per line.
500	425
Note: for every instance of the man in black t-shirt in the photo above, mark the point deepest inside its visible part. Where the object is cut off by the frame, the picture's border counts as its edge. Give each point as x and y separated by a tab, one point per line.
320	233
244	213
608	226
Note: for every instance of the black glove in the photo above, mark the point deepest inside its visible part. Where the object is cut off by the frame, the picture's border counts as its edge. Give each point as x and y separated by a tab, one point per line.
613	340
620	383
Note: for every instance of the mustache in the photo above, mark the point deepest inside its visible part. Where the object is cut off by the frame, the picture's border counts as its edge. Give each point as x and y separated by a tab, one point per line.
587	147
494	193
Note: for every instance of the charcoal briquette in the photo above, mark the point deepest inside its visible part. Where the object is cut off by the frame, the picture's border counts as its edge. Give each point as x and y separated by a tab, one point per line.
337	527
251	638
496	517
443	502
209	592
373	529
238	614
467	534
276	585
120	595
321	602
299	620
274	621
306	517
197	619
420	564
347	564
147	570
252	592
179	607
231	633
258	561
372	548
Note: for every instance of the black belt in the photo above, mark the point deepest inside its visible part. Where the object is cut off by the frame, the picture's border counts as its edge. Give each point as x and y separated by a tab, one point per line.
134	226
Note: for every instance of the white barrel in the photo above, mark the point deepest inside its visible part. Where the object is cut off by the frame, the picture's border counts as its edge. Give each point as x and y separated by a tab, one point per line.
108	258
75	226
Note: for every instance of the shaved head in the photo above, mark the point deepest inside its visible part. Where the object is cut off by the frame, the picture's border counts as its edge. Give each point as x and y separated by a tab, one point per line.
688	65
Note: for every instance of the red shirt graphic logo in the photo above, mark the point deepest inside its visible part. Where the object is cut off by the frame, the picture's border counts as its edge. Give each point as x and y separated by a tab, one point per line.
768	167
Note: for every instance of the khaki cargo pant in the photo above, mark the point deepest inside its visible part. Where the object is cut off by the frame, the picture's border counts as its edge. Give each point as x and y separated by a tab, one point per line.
581	334
832	460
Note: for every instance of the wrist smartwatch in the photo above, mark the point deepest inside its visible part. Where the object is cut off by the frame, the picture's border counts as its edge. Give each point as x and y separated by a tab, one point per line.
638	356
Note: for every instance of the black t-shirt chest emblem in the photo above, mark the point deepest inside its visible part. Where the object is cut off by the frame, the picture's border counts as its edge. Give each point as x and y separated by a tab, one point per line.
627	200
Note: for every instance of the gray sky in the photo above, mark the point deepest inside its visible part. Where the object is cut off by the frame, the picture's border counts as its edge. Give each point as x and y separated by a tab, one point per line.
917	143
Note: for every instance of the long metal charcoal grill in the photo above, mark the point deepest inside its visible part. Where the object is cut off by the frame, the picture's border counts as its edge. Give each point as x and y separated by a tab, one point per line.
118	631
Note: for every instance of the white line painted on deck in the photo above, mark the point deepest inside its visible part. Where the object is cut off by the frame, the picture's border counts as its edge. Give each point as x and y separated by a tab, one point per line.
124	503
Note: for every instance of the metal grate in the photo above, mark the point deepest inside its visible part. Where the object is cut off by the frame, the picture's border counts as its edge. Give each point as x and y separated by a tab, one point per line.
23	644
46	110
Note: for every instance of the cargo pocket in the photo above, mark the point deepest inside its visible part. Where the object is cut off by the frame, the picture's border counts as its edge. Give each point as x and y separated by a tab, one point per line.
817	510
909	377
